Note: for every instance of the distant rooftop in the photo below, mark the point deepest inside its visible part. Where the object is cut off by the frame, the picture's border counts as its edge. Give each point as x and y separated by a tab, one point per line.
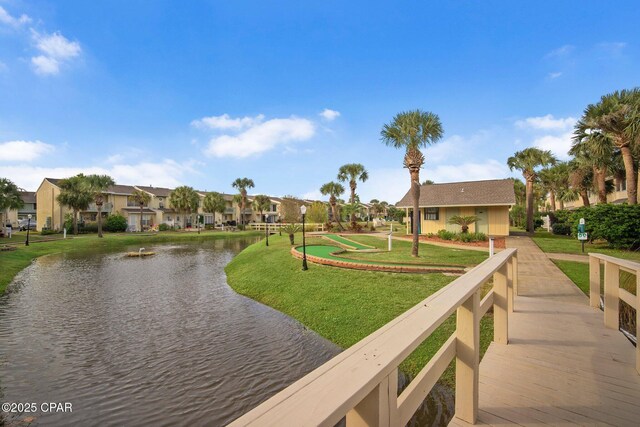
470	193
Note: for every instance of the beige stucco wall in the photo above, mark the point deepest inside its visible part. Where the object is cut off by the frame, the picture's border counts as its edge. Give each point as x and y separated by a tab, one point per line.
48	207
498	219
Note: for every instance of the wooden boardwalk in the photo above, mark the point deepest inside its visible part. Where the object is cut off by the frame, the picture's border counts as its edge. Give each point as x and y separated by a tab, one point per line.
562	365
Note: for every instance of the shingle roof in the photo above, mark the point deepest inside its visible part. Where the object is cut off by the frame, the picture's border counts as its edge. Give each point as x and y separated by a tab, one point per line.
470	193
28	196
121	189
54	181
156	191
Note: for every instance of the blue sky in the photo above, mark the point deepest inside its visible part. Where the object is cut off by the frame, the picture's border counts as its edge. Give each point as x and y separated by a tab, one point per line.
284	92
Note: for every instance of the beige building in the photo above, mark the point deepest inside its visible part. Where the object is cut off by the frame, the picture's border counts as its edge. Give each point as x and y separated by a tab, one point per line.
12	216
618	195
488	200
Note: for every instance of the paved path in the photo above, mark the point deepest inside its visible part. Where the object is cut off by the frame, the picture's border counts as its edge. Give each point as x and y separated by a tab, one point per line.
562	366
569	257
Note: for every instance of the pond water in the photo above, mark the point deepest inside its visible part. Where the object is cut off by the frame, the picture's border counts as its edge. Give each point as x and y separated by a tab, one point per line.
160	340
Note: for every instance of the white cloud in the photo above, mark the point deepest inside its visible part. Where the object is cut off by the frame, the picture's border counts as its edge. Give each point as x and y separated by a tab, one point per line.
329	115
561	51
225	122
23	151
557	144
611	49
547	123
259	136
555	75
7	19
167	173
56	50
314	195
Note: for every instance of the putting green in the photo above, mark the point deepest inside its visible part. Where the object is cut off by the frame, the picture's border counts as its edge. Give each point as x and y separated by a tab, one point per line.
347	242
328	255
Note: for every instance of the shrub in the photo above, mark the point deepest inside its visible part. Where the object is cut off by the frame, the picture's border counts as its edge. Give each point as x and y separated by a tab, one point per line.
210	227
470	237
48	232
290	229
115	223
164	227
372	227
354	226
517	216
88	227
561	216
446	235
241	227
561	228
619	225
328	226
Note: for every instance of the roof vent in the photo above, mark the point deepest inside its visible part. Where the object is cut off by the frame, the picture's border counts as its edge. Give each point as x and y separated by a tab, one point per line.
462	190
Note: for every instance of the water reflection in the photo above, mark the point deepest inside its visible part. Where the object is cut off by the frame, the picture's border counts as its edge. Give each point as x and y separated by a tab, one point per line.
160	340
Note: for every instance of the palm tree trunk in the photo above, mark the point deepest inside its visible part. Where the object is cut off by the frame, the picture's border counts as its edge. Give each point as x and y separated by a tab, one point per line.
99	207
552	196
585	197
334	209
75	222
415	191
600	176
352	184
630	172
561	204
141	209
529	196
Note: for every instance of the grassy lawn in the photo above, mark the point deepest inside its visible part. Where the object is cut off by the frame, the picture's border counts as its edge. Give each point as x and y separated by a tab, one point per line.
12	262
564	244
342	305
578	272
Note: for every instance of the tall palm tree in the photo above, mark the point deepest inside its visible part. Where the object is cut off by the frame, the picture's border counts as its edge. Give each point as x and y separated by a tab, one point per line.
75	193
214	203
581	178
98	185
411	130
352	173
333	190
262	203
594	147
555	180
9	198
527	161
616	115
142	199
242	184
186	200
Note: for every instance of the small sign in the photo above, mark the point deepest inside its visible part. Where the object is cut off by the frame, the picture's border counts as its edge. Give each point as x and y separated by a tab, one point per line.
582	236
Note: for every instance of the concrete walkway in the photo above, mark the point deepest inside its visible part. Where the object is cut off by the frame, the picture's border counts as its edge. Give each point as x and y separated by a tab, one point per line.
562	366
569	257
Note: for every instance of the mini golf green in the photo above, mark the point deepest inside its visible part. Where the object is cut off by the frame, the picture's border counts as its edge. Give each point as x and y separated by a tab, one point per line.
327	255
346	242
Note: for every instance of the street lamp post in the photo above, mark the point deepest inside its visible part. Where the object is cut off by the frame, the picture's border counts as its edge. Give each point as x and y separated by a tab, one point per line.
266	228
303	211
26	243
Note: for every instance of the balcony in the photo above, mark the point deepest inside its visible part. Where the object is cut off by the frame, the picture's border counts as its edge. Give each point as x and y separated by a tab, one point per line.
106	207
229	211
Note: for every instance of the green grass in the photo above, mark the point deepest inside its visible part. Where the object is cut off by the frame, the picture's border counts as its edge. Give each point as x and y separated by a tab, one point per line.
401	252
347	242
12	262
342	305
565	244
578	272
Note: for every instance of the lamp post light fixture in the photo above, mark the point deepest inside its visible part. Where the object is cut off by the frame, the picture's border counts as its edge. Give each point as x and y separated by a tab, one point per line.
303	211
26	243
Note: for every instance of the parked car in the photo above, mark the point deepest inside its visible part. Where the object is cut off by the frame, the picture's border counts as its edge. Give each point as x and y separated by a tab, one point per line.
24	223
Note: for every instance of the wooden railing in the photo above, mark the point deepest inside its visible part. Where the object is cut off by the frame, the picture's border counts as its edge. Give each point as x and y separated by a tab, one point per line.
362	381
613	293
276	226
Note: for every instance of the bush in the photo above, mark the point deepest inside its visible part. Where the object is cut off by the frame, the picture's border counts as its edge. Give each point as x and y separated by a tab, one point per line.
561	228
470	237
619	225
241	227
115	223
210	227
88	227
164	227
48	232
354	226
561	216
328	226
446	235
517	216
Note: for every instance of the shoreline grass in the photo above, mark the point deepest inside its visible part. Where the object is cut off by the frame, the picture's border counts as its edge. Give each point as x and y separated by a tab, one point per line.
342	305
14	261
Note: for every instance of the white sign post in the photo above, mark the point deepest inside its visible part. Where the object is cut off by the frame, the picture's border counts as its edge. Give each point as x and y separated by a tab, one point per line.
582	234
389	242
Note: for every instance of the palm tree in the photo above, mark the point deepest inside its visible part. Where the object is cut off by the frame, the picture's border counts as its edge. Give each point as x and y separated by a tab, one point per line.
75	193
581	178
186	200
98	184
555	180
214	203
463	221
262	203
352	172
411	130
527	161
9	198
241	184
142	199
594	147
333	190
616	115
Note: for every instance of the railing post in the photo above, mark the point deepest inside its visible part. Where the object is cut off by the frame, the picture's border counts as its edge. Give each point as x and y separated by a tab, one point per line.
500	306
515	274
468	358
379	408
594	281
510	285
611	295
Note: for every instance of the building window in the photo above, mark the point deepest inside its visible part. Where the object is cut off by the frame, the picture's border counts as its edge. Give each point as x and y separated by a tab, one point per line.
432	214
273	208
168	217
161	204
